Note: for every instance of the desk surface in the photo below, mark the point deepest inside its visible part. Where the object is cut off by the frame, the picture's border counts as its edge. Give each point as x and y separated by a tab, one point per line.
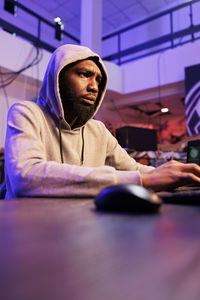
64	249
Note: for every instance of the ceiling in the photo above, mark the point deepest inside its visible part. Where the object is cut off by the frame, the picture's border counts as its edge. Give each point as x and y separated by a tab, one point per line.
116	13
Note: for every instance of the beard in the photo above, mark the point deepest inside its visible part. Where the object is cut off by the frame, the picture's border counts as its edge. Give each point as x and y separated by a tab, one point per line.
82	112
75	109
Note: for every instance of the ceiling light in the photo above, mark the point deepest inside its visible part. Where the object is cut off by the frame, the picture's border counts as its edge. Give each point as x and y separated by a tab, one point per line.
164	110
57	20
59	26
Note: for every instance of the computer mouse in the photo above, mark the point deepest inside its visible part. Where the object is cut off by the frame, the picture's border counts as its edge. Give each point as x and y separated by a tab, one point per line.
128	197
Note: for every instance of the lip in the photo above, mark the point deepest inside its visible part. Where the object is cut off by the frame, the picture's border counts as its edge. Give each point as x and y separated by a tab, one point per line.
88	100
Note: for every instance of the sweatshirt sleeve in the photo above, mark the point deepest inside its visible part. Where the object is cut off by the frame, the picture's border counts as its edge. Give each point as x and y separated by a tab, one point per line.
29	174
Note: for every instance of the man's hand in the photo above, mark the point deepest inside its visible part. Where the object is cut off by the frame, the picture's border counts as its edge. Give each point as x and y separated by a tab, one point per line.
171	175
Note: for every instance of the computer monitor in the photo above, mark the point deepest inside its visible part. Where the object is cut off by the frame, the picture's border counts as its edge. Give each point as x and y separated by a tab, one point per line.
136	138
193	152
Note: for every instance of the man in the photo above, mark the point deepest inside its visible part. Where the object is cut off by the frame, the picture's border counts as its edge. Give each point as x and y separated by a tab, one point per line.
55	148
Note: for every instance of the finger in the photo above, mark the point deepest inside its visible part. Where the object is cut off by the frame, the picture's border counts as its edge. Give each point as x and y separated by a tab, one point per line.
191	168
190	178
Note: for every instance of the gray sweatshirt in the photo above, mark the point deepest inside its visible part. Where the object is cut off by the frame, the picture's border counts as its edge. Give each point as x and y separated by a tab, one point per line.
38	136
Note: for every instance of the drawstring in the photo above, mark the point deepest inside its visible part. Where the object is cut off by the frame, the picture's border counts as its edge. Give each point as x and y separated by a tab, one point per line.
61	149
60	140
82	152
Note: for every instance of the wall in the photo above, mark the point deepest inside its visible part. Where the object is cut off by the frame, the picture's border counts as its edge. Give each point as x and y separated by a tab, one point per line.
163	68
16	53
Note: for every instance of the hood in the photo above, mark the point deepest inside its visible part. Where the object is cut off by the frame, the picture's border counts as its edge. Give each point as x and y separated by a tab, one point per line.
64	55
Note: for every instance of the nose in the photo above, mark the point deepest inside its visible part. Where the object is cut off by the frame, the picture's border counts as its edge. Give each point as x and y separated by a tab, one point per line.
93	85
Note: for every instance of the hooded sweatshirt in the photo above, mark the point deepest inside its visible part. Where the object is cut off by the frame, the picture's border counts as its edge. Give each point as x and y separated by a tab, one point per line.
45	157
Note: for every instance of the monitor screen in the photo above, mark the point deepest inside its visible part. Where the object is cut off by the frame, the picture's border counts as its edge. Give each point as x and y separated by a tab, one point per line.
193	152
135	138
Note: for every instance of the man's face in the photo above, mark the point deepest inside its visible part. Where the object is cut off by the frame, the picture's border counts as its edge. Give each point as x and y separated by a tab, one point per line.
79	88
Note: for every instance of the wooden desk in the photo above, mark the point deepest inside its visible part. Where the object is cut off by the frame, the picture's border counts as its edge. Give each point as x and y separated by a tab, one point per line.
58	249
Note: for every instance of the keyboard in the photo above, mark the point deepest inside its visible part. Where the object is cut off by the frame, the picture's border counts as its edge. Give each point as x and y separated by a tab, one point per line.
186	195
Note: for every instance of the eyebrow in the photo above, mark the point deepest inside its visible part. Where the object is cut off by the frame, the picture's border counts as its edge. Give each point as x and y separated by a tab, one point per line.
90	69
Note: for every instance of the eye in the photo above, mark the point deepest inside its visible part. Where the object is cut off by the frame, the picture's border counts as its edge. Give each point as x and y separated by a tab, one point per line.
85	74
